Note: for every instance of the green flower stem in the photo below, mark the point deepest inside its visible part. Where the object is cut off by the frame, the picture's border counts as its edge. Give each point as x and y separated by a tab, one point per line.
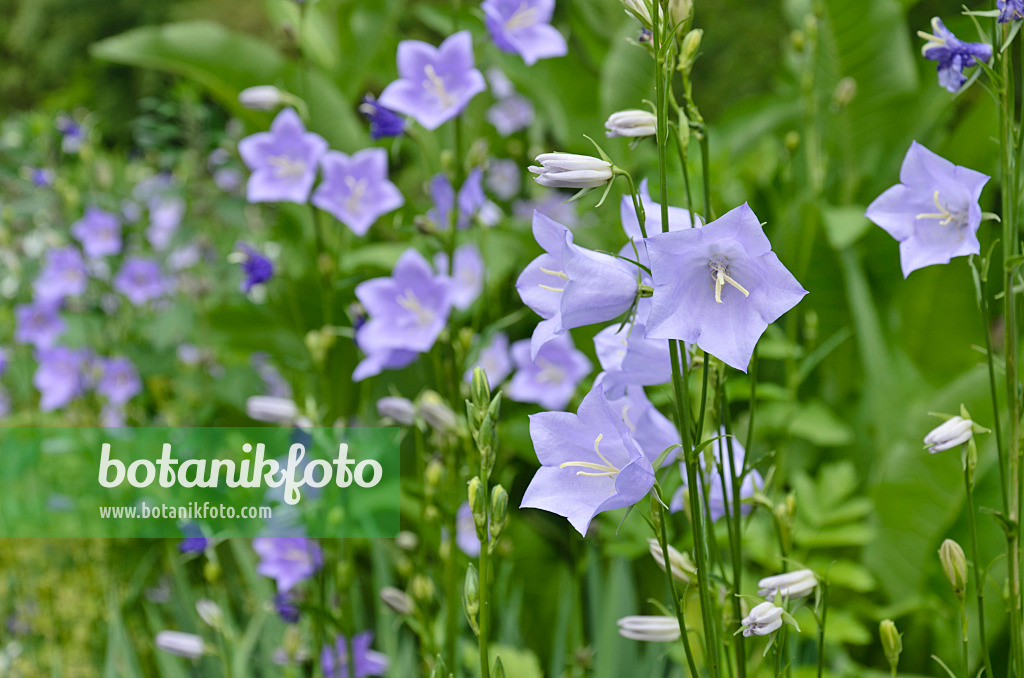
979	583
677	604
821	630
986	321
735	518
637	204
484	613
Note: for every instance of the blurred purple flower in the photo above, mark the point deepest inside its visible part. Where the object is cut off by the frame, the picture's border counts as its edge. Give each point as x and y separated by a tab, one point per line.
120	381
59	377
495	361
589	463
719	286
504	178
64	275
383	122
43	177
257	268
72	134
467	277
953	55
678	218
283	161
435	83
185	257
38	323
165	215
569	286
465	531
334	660
112	416
288	560
550	379
286	608
99	232
227	179
355	188
1010	10
470	199
3	361
554	205
194	541
140	280
717	503
628	357
933	212
377	361
523	27
511	114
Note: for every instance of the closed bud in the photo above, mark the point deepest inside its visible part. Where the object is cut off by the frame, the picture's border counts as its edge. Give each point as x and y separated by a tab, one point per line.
422	588
954	564
484	435
499	670
954	431
633	122
683	569
481	389
691	47
790	585
477	502
652	628
397	600
272	410
892	642
499	511
846	90
211	571
641	9
407	541
495	409
319	342
210	612
434	473
401	410
186	645
436	413
570	170
471	592
679	10
261	98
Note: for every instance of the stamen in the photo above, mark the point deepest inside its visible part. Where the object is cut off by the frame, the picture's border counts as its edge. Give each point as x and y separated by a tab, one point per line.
524	17
607	469
944	215
551	289
357	189
286	167
436	86
721	277
557	274
409	302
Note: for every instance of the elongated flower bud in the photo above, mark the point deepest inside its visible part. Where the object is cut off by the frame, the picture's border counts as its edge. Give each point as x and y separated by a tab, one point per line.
471	591
261	98
955	431
683	568
499	510
569	170
477	503
436	413
210	612
954	564
397	600
641	9
892	642
762	620
679	10
790	585
401	410
186	645
633	122
271	410
650	628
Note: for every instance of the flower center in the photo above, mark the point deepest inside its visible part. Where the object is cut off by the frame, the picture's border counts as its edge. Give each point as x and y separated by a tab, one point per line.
356	191
524	17
298	556
287	167
435	85
944	215
603	470
411	303
557	274
720	276
549	372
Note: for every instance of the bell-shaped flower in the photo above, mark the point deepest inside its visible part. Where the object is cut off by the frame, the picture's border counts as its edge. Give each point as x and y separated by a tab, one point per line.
356	189
933	212
790	585
1010	10
718	502
376	361
953	54
570	170
550	378
469	201
283	161
952	432
570	286
719	286
589	463
524	27
651	430
467	276
628	357
495	360
764	619
434	83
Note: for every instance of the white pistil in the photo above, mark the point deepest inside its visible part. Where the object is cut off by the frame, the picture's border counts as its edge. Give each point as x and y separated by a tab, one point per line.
435	86
409	302
605	470
357	189
944	215
720	275
286	167
524	17
557	274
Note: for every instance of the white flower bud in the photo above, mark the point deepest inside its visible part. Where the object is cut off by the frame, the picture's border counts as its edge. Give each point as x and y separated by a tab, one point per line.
683	568
955	431
272	410
642	10
650	628
954	564
631	123
186	645
210	612
397	600
400	409
436	413
762	620
790	585
679	10
261	98
569	170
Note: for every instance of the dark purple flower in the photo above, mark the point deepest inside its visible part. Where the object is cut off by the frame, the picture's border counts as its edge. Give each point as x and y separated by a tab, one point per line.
64	275
589	463
165	215
286	607
140	280
42	177
288	560
549	379
59	377
194	541
71	133
356	190
511	114
953	55
1010	10
383	122
524	27
717	503
334	660
38	323
628	357
435	83
257	268
719	286
283	161
467	277
495	360
99	232
470	199
933	212
119	381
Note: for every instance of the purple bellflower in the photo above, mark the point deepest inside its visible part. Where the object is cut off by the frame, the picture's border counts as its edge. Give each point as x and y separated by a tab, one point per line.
356	189
470	199
119	381
99	232
435	83
650	429
1010	10
467	277
511	114
367	662
287	608
59	377
43	177
383	122
257	268
524	27
140	280
376	361
64	275
495	361
551	377
953	55
38	323
165	215
283	161
589	463
719	286
569	286
465	531
717	503
288	560
933	212
628	357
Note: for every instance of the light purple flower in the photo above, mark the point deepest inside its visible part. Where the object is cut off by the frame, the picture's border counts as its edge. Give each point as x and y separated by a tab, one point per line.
376	361
933	212
511	114
59	377
495	361
554	205
3	361
435	83
140	280
524	27
334	660
119	381
288	560
356	189
628	357
165	215
504	179
38	323
227	179
1010	10
549	379
719	286
99	232
589	463
569	286
471	199
43	177
678	218
650	429
467	278
465	531
283	161
953	55
64	275
717	503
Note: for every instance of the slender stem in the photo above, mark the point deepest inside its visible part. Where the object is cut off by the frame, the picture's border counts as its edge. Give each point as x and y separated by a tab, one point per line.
736	541
638	206
996	424
821	629
703	397
963	634
662	536
979	584
484	614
